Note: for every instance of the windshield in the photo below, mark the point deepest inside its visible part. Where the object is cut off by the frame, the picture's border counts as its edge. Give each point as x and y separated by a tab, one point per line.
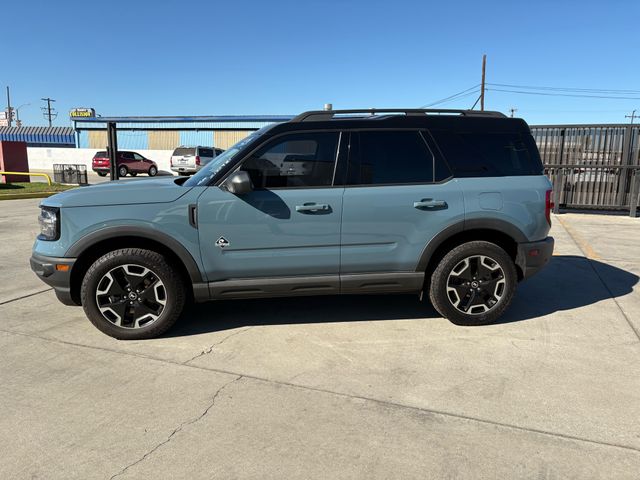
209	171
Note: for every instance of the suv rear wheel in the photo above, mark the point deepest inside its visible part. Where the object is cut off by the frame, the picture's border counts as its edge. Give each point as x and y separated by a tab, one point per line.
473	284
122	171
132	294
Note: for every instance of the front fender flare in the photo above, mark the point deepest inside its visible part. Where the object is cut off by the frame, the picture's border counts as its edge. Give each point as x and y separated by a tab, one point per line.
106	233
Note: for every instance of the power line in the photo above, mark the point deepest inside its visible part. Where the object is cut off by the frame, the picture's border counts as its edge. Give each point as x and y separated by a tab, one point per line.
451	97
563	94
567	89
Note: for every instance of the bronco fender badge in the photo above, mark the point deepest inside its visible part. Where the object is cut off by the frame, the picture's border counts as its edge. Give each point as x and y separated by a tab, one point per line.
222	242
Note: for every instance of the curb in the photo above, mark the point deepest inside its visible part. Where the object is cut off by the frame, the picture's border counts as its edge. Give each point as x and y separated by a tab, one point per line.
19	196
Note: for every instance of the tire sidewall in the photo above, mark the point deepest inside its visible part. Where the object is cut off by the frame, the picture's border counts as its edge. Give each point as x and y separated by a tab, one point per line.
153	261
438	287
121	170
153	171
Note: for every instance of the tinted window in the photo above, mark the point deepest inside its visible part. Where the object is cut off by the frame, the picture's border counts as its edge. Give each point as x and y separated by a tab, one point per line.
489	154
297	160
184	151
127	155
206	152
100	155
386	157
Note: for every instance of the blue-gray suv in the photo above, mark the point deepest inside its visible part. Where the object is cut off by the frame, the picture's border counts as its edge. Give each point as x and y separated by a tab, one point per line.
451	203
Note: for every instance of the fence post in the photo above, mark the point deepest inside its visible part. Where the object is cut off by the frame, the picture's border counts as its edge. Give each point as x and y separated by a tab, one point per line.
633	196
625	161
559	176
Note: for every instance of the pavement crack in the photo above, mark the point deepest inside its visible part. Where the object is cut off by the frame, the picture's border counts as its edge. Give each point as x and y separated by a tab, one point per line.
207	351
178	429
25	296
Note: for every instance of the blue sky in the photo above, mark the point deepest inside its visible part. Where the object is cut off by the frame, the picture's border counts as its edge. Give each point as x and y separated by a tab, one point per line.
143	57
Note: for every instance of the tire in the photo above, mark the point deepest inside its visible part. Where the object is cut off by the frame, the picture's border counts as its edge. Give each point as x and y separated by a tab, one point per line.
111	304
133	174
474	264
122	171
153	171
102	174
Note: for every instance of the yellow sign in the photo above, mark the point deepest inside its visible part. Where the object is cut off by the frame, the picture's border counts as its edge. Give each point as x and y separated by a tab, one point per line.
82	113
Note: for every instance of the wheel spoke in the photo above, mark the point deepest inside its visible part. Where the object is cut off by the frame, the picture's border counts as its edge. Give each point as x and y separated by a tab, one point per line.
467	300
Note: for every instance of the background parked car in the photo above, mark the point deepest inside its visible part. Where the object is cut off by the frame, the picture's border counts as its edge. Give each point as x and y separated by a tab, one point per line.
188	160
128	163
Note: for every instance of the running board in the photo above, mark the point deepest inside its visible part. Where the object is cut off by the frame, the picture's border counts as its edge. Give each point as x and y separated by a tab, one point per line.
359	283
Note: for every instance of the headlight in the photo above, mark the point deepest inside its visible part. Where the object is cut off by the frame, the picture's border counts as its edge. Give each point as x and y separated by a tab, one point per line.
49	223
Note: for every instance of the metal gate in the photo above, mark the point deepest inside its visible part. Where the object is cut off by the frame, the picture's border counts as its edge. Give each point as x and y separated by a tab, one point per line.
591	166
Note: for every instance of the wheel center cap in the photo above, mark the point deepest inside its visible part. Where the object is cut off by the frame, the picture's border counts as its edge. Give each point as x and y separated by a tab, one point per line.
133	295
474	284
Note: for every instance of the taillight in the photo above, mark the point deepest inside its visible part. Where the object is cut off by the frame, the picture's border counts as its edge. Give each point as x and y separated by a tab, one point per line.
197	160
171	162
548	205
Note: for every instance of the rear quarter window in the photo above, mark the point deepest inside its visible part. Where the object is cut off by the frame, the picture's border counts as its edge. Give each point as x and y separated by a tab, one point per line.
489	154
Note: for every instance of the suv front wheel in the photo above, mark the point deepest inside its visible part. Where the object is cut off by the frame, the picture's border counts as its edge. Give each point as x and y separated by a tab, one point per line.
473	284
132	294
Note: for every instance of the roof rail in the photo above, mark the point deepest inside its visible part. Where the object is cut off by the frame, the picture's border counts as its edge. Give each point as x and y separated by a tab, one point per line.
320	115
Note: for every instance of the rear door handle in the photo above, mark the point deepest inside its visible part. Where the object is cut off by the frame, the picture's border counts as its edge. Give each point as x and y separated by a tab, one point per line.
430	203
313	208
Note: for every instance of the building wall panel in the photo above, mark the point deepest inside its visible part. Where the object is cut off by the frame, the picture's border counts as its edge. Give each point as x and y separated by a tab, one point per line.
194	138
133	140
98	139
164	140
225	139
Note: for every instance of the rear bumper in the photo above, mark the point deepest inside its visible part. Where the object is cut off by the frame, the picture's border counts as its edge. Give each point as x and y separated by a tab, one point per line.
185	169
533	256
45	268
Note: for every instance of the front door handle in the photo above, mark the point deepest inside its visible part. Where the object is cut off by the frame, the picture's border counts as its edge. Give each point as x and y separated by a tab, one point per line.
313	208
430	204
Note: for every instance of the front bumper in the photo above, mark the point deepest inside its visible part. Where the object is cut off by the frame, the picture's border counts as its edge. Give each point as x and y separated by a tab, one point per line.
533	256
47	268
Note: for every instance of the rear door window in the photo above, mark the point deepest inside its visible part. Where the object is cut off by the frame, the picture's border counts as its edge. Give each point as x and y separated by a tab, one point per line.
389	157
489	154
206	152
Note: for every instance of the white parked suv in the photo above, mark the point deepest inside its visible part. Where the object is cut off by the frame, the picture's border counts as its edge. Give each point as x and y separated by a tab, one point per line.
188	160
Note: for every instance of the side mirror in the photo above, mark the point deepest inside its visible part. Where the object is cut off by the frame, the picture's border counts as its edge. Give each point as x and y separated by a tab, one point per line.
238	183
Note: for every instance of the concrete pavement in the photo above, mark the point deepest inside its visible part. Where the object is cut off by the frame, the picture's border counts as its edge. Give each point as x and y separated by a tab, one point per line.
337	387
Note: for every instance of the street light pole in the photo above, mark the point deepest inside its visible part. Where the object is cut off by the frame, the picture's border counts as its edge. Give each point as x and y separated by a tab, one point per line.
18	123
8	106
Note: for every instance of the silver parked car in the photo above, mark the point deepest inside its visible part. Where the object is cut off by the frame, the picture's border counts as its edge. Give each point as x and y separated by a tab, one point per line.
188	160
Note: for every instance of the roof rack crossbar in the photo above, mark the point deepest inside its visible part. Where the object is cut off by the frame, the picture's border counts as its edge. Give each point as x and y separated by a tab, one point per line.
320	115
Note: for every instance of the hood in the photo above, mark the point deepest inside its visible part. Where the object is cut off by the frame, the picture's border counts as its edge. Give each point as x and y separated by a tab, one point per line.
162	190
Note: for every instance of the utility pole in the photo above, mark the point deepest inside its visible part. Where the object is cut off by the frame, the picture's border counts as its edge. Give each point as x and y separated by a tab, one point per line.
484	67
632	116
49	113
512	111
9	115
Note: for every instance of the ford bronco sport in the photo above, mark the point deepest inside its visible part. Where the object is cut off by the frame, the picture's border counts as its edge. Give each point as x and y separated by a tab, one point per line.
451	203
